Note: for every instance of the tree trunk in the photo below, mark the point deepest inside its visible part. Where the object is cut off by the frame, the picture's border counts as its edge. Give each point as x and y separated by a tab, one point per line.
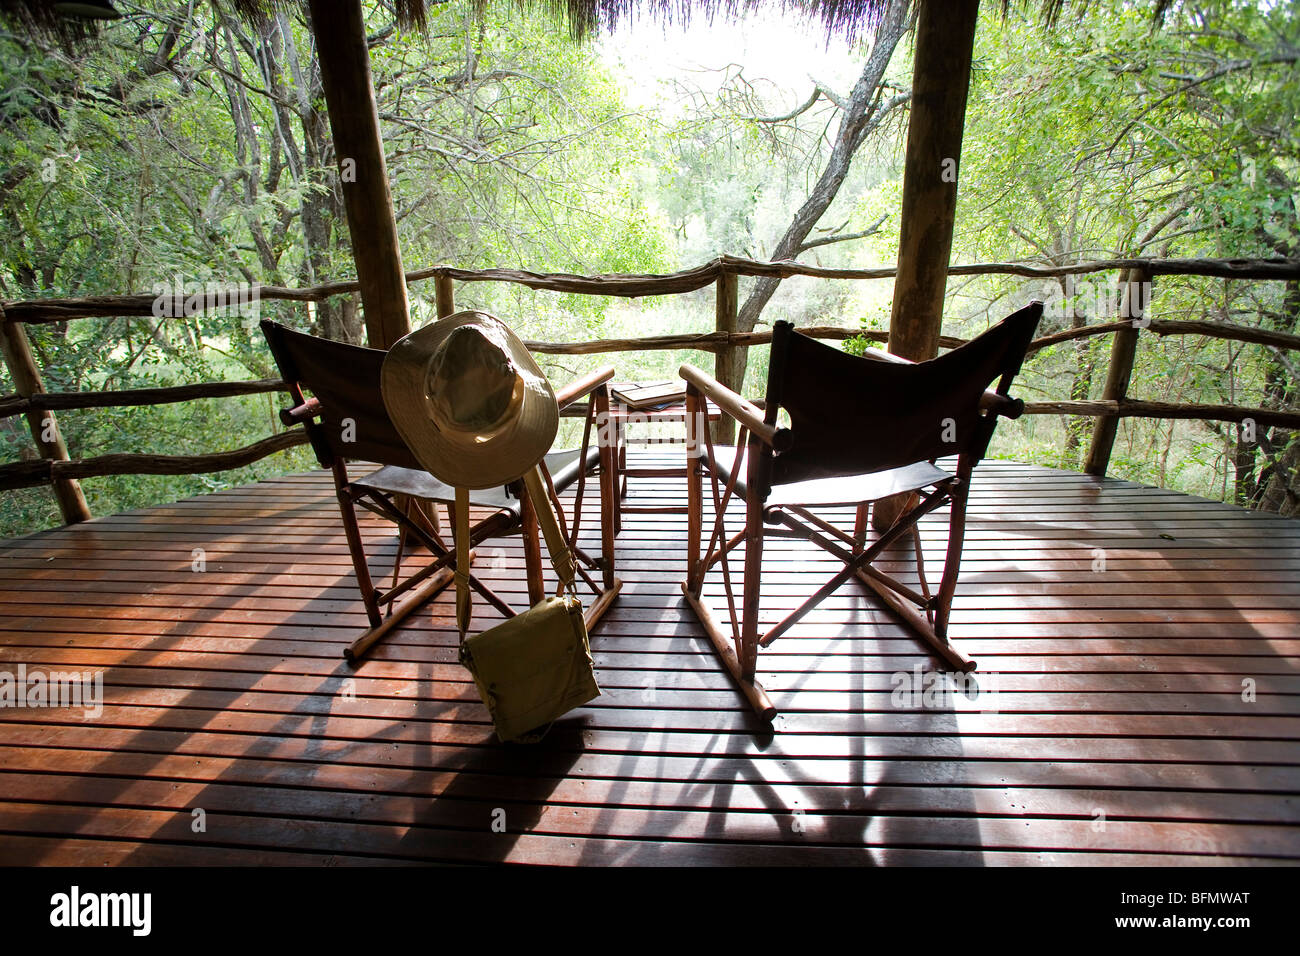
863	114
1278	486
1080	387
1243	466
1080	391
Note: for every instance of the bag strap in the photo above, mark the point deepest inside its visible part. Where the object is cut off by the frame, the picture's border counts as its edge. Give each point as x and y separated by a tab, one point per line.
556	547
463	607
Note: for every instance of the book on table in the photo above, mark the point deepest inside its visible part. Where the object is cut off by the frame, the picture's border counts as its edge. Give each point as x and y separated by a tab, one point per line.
650	394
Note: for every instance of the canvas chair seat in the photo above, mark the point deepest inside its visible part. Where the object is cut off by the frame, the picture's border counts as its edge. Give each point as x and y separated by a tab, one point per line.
418	483
843	490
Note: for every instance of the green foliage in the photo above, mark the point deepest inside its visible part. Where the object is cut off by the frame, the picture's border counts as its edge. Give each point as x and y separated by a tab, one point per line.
1106	138
190	147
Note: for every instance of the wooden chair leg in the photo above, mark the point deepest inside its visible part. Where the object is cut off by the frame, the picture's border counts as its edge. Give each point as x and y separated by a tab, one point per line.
609	509
397	563
609	505
738	657
413	601
352	532
622	459
532	548
935	634
748	649
750	688
897	596
860	526
602	604
952	559
694	496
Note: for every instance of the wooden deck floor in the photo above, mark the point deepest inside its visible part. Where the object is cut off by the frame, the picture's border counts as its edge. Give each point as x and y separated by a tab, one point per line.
1118	732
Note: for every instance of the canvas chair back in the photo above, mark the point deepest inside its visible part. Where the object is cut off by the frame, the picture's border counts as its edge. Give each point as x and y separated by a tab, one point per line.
851	415
345	380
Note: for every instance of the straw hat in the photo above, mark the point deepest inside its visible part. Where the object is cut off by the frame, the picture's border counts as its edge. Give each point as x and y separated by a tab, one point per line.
469	400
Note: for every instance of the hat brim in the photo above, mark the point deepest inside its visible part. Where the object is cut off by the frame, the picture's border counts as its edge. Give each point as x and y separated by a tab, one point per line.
459	458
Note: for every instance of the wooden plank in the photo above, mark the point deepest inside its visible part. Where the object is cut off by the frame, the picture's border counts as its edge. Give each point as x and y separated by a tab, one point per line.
391	819
1016	790
297	761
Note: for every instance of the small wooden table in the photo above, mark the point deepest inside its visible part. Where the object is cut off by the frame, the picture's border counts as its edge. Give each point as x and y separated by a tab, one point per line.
620	418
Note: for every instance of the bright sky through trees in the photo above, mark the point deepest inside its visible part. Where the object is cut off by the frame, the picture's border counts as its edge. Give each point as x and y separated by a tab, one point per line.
781	50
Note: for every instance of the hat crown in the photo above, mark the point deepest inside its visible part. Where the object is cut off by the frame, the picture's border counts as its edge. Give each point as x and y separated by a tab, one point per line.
473	385
469	400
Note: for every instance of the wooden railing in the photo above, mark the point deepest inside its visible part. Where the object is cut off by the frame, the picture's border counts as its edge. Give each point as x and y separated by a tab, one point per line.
57	469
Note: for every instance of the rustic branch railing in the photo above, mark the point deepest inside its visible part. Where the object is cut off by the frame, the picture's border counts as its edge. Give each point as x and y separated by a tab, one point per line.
131	397
57	469
24	474
34	311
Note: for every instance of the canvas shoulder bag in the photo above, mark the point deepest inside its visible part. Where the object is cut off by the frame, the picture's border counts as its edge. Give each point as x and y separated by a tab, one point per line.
536	666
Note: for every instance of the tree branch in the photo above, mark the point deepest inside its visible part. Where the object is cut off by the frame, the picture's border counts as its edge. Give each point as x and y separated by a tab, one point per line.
847	237
786	117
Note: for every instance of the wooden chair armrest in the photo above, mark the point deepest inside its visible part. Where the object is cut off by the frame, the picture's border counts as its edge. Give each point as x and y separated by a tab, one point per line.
743	411
583	386
300	413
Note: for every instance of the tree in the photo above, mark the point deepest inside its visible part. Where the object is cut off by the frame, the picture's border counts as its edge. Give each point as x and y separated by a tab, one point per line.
861	114
1176	141
187	145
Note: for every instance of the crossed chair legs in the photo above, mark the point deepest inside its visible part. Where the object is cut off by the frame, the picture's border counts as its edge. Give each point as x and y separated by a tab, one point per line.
420	587
925	613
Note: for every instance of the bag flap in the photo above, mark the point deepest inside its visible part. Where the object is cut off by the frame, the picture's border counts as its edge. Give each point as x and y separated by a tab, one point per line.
519	647
533	667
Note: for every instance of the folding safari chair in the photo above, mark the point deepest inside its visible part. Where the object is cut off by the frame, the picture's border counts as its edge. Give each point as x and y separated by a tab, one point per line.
861	429
345	419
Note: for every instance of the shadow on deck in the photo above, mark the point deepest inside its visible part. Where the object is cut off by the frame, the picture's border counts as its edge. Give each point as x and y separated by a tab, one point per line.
1113	727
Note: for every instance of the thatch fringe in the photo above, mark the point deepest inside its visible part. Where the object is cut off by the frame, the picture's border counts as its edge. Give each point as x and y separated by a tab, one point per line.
411	14
37	19
850	19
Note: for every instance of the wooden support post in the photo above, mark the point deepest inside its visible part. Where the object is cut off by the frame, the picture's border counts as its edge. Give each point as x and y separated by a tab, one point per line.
340	30
45	429
446	296
945	40
1123	349
726	360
